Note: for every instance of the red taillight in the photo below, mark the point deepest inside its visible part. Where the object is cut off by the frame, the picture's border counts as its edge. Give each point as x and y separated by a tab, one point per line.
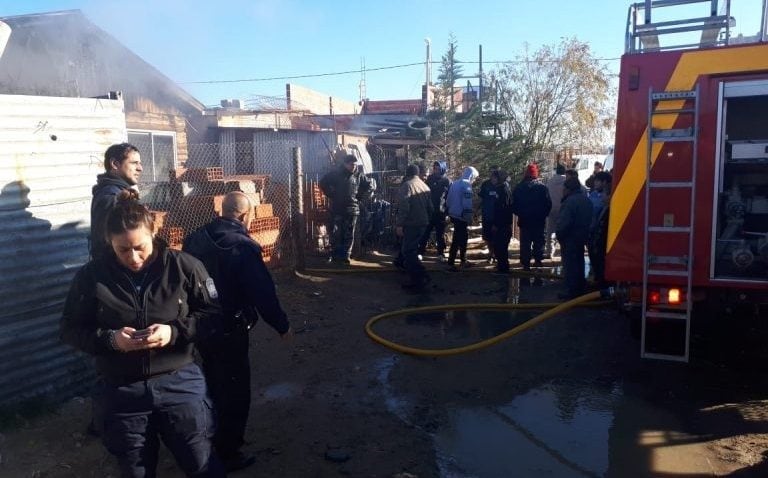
674	296
654	297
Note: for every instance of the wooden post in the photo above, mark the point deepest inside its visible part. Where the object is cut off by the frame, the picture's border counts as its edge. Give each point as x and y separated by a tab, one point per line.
299	232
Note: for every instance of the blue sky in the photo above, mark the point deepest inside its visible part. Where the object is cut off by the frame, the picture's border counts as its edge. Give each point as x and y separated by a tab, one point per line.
193	40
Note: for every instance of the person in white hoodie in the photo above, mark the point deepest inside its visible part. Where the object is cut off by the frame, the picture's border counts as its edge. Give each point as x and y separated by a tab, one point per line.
555	187
460	210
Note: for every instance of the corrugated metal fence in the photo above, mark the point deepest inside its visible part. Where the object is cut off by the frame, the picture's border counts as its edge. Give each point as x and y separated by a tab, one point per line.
50	152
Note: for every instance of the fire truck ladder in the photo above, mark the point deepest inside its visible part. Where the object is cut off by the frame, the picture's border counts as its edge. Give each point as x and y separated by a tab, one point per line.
677	104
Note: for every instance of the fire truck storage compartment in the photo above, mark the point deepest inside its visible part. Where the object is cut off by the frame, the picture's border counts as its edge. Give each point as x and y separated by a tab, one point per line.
741	234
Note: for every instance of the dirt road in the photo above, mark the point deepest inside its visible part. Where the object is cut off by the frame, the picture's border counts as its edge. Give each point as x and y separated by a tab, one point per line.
568	398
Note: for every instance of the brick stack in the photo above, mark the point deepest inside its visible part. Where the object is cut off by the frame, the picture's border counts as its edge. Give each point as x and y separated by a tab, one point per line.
197	196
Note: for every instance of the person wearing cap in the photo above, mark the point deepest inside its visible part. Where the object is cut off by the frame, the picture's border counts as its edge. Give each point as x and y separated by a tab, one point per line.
572	231
414	211
532	204
345	186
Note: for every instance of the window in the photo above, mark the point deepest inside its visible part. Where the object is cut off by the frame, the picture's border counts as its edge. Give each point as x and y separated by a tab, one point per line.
158	157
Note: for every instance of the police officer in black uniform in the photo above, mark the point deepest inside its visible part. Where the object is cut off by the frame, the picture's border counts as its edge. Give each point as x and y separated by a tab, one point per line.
245	287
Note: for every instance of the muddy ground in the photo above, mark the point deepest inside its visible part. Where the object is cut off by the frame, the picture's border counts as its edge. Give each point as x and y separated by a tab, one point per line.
570	397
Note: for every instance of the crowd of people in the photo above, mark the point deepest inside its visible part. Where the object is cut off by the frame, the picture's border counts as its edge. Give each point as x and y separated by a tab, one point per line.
149	315
560	211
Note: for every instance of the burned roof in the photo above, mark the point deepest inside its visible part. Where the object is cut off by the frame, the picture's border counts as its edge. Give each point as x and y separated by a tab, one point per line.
65	54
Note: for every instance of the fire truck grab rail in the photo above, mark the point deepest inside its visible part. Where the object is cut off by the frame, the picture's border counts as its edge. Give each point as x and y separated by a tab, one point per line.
643	33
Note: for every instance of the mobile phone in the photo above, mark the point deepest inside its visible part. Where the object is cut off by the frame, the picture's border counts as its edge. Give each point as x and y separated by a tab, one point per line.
141	334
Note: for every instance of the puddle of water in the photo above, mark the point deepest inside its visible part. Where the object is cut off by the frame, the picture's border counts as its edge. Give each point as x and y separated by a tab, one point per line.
456	327
280	391
396	405
551	432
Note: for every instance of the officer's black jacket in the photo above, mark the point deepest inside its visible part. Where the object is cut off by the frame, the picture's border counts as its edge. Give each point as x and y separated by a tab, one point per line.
234	261
176	291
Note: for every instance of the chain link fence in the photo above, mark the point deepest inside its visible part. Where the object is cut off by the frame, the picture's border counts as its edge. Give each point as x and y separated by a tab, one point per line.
192	196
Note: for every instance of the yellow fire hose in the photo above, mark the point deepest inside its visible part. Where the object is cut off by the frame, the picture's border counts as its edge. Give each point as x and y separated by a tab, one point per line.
549	313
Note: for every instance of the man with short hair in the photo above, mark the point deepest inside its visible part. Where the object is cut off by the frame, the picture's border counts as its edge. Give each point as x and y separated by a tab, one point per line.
345	187
122	166
590	182
438	186
414	210
246	291
488	196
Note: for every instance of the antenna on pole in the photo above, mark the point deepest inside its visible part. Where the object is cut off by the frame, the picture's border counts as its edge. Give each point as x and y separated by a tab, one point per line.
363	92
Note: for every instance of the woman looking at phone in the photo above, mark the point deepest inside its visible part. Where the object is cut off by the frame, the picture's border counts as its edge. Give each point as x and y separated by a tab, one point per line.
138	310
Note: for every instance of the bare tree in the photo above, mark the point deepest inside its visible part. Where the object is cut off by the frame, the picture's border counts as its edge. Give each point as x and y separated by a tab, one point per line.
556	97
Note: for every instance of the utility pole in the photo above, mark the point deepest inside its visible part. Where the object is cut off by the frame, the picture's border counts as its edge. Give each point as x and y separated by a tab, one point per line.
428	70
480	74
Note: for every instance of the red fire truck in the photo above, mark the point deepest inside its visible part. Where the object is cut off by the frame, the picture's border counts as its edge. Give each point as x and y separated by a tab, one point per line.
688	230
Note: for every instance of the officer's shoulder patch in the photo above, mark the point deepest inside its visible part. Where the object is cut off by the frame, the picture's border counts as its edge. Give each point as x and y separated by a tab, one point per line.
211	287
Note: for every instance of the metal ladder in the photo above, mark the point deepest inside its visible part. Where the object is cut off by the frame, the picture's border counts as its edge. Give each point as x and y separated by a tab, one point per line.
656	266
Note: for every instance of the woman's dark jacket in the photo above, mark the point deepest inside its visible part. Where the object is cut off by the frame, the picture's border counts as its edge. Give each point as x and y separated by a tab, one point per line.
176	291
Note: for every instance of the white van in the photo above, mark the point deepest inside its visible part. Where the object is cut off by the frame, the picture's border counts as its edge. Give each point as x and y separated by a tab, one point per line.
584	164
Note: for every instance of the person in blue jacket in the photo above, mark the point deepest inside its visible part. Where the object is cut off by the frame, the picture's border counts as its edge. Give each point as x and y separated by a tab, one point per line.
461	212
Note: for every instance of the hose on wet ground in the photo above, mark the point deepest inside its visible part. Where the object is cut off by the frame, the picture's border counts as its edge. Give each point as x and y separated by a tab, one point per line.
552	310
358	270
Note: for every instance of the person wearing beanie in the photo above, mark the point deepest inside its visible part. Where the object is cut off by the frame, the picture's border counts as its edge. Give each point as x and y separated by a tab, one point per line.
532	204
414	211
572	231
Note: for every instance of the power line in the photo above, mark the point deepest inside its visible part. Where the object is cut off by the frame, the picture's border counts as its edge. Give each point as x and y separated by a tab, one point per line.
380	68
314	75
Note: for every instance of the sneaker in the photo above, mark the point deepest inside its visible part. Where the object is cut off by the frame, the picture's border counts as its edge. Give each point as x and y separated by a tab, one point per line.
491	260
238	461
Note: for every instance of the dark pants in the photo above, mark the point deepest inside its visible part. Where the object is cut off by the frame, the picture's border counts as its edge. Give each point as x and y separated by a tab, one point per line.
342	235
531	243
572	253
597	263
459	243
173	407
409	252
501	238
228	373
438	225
